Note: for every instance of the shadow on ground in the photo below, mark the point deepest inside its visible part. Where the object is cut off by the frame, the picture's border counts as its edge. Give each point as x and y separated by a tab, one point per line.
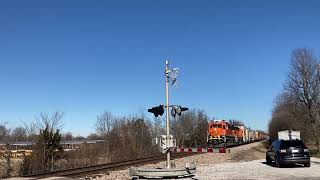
287	166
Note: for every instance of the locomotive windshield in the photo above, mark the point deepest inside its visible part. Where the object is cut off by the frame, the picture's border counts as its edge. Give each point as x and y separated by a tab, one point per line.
216	126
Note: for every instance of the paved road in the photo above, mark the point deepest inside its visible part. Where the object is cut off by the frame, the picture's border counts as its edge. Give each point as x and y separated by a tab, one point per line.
257	169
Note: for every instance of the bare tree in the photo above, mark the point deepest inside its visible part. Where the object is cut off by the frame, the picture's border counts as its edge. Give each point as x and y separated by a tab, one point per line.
104	123
141	113
287	114
303	83
31	130
201	128
183	127
235	122
53	122
4	133
93	136
19	134
190	129
67	136
125	138
47	145
298	106
79	138
157	128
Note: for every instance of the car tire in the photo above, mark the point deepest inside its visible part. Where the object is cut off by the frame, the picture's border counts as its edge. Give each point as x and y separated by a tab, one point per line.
307	165
268	160
277	162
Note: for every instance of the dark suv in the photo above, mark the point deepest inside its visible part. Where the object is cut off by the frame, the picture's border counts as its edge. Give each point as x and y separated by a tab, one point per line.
286	152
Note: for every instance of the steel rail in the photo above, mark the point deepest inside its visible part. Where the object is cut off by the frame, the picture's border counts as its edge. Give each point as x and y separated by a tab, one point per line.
81	171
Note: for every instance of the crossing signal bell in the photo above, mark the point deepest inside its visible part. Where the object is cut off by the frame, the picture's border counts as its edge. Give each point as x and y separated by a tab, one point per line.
158	110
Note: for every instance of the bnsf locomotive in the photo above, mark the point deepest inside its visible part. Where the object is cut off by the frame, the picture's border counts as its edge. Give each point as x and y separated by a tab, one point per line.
221	133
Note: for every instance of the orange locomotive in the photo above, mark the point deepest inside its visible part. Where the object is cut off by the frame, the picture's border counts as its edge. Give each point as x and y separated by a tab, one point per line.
222	133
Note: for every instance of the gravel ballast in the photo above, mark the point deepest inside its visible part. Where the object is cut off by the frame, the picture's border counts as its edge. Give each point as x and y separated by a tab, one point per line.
243	162
200	160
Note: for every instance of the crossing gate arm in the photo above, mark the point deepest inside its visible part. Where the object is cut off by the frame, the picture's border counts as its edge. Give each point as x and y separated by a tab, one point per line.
198	150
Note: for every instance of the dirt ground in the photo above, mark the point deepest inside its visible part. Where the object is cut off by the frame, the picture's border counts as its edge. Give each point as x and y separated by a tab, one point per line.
253	153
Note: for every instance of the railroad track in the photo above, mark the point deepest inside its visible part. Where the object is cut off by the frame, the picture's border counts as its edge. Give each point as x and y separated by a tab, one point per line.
89	170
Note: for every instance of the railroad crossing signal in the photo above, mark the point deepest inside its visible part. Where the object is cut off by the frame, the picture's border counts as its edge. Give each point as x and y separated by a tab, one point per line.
158	110
177	110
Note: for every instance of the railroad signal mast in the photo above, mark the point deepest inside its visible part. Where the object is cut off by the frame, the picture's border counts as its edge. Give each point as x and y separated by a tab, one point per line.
167	72
167	141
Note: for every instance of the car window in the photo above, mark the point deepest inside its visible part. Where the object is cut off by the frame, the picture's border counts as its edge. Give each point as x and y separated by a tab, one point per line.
288	144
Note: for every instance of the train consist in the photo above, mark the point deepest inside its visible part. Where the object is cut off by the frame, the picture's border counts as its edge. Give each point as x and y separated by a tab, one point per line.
222	133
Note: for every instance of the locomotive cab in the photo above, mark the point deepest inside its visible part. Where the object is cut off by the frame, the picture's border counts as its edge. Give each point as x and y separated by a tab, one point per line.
221	133
217	132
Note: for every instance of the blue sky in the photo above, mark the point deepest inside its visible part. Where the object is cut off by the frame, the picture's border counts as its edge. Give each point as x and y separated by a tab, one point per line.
85	57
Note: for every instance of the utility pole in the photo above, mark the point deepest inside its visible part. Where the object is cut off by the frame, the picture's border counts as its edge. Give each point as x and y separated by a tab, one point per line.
167	71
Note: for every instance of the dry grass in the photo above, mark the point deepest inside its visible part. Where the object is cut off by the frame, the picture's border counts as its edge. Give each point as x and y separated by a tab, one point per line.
313	153
253	153
313	150
15	164
260	148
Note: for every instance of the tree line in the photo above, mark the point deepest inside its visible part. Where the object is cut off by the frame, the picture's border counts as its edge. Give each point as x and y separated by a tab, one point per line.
125	137
297	107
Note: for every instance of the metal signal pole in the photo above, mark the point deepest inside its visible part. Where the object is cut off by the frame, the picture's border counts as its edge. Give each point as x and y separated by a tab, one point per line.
169	140
167	71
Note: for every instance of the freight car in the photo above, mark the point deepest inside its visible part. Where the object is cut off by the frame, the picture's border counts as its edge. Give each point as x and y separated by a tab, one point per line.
245	134
252	136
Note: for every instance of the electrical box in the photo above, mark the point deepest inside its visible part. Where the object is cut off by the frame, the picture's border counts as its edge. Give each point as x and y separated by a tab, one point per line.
165	143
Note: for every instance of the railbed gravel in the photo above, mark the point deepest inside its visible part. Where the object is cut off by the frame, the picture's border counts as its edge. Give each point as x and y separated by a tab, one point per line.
199	160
